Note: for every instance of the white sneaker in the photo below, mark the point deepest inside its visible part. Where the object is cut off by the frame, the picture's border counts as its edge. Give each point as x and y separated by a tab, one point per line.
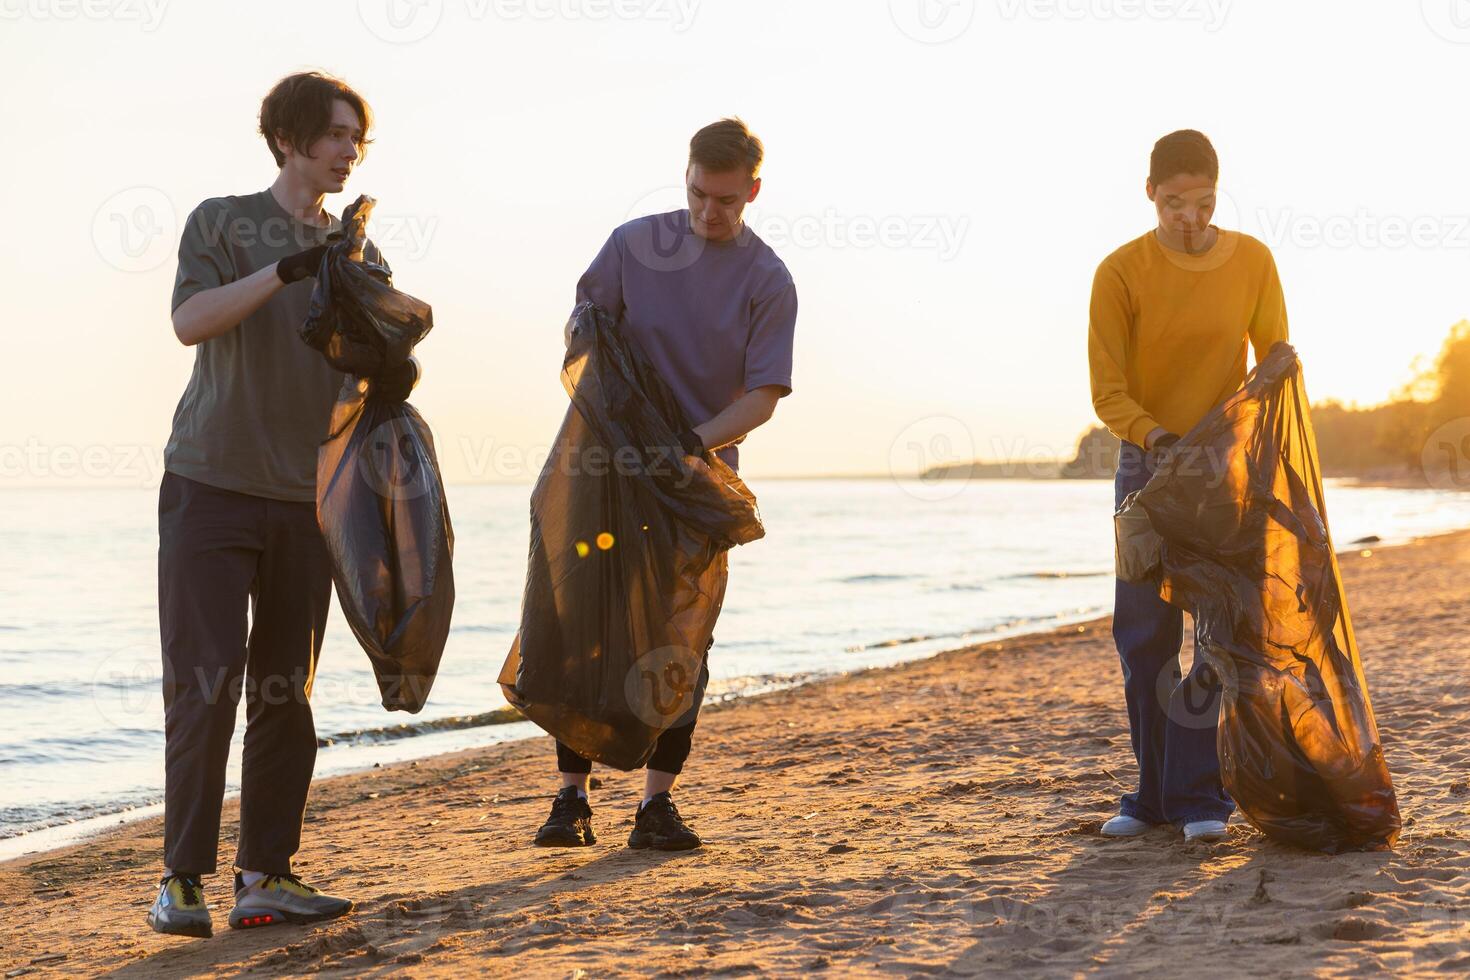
1125	826
1208	831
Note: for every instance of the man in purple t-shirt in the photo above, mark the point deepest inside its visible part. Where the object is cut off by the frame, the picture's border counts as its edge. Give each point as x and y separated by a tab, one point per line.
714	310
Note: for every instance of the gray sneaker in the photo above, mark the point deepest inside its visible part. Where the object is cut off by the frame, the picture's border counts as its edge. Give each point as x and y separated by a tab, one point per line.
180	909
282	898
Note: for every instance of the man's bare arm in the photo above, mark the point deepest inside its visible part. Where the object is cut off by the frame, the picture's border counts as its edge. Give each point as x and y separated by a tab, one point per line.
746	414
213	312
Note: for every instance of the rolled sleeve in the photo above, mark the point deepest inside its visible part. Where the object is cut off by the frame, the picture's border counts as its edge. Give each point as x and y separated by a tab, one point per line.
768	353
204	255
602	283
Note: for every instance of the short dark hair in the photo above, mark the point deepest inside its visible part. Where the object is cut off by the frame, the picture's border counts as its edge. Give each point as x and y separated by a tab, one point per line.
1187	151
727	145
300	108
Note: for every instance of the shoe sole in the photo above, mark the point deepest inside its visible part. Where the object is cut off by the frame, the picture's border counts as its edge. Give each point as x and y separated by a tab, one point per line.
1206	838
588	841
194	930
255	918
640	844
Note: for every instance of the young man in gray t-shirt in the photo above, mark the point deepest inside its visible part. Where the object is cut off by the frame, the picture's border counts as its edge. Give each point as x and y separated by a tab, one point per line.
243	576
714	310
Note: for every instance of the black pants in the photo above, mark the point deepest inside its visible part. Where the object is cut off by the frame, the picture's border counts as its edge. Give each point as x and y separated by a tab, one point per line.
671	750
221	553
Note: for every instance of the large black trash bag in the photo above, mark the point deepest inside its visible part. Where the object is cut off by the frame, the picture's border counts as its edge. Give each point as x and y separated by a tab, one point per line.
1232	527
379	496
627	568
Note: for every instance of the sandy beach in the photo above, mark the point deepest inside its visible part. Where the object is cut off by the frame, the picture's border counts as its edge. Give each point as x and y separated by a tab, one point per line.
939	817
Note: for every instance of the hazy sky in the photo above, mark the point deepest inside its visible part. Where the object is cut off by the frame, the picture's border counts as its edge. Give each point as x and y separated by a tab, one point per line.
942	178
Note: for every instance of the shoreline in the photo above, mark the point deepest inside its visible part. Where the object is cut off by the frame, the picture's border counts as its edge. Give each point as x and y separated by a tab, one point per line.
936	816
41	839
82	830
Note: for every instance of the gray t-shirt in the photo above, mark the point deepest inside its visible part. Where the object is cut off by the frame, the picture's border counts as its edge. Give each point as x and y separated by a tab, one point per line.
716	319
259	400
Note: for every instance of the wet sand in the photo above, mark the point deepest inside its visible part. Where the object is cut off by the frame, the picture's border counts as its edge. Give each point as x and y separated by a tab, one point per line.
938	817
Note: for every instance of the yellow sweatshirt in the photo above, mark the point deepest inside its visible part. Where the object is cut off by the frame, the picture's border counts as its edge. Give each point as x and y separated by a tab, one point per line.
1168	331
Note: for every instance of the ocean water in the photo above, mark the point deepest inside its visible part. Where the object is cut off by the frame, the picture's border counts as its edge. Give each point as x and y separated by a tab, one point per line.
851	574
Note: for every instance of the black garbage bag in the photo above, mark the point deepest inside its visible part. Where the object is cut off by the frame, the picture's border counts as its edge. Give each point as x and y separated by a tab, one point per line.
627	566
1232	527
379	495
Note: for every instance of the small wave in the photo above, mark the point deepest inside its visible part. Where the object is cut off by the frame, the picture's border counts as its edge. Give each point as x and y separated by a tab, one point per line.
865	579
1063	574
500	716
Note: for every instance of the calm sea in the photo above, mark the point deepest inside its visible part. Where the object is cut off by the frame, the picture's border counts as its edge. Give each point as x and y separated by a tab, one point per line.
851	574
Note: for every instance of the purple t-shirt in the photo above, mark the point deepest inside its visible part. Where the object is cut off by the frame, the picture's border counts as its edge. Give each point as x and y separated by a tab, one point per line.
716	319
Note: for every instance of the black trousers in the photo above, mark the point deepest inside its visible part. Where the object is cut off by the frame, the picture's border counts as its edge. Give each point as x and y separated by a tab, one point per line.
671	750
244	584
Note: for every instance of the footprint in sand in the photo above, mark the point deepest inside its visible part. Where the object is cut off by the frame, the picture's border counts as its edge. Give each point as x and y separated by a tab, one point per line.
989	860
1353	930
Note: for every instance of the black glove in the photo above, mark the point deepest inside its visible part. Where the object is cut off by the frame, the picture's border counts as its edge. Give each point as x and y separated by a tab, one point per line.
302	265
395	384
690	442
1164	442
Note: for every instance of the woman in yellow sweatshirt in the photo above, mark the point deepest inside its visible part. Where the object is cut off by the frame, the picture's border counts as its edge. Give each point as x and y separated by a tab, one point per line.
1173	313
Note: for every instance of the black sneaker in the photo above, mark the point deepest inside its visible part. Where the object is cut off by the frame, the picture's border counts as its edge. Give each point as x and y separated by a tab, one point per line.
658	826
570	823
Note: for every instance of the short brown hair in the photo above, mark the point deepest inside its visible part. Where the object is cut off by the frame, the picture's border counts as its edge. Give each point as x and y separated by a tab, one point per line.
1187	151
727	145
300	108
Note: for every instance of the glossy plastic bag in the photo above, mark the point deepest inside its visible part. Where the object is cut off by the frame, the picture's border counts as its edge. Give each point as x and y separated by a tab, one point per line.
1242	543
379	496
627	563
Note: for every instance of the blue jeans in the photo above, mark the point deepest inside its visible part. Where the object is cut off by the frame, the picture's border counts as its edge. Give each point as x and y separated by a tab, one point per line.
1171	718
